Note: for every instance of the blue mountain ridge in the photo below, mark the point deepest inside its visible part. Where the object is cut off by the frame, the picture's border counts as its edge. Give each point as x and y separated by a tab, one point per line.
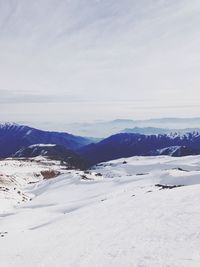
16	141
133	144
13	137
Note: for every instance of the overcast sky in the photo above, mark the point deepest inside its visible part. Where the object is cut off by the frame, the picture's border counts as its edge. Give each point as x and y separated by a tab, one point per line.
83	60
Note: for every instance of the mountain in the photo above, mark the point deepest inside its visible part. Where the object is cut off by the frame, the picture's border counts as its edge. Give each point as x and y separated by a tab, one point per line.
151	126
154	130
130	144
175	151
13	137
147	130
51	151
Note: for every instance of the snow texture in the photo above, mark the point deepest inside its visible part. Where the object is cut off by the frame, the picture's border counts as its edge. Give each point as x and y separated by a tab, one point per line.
113	215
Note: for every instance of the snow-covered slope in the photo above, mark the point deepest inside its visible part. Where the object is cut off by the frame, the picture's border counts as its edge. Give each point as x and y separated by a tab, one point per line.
175	151
17	174
113	216
54	152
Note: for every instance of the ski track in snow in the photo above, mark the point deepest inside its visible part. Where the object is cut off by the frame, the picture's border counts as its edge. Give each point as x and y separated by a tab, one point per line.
118	219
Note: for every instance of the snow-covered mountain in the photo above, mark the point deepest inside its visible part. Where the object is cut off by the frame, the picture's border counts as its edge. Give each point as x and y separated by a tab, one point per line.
130	144
14	137
54	152
140	211
24	141
154	130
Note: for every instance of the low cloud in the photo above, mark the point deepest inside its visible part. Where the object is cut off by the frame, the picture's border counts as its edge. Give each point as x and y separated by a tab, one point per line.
22	97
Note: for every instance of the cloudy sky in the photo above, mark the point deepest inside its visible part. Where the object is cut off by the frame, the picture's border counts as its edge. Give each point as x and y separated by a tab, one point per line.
84	60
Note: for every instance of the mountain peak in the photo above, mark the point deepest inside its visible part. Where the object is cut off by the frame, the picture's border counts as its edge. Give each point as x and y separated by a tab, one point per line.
17	136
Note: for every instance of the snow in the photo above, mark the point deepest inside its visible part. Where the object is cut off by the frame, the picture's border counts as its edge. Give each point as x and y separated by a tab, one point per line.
15	175
118	219
42	145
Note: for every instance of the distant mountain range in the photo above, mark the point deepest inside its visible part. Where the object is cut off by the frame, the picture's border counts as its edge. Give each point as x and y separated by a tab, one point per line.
131	144
13	137
103	129
23	141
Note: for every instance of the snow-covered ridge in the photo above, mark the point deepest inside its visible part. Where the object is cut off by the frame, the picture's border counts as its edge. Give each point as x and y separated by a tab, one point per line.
42	145
186	135
9	125
136	144
12	126
177	134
